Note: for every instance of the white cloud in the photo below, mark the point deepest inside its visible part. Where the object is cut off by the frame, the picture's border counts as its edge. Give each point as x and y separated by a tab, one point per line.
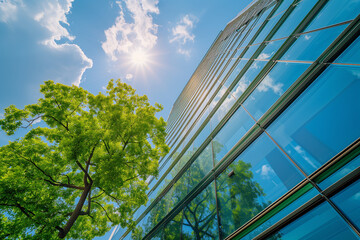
123	36
269	83
129	76
265	171
184	52
181	33
7	11
35	27
307	37
264	56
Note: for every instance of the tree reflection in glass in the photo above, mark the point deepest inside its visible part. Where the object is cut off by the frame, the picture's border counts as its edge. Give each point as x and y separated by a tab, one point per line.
200	219
237	195
258	177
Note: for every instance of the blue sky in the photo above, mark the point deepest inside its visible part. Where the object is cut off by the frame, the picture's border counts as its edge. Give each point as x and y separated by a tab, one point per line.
154	45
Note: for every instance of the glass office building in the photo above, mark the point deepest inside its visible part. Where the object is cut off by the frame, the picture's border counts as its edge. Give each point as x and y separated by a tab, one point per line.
265	135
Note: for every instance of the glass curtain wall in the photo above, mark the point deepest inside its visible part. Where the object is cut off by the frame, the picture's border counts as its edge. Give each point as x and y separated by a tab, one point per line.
267	145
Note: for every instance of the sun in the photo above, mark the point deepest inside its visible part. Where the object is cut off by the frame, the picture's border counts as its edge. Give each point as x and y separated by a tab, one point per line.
139	58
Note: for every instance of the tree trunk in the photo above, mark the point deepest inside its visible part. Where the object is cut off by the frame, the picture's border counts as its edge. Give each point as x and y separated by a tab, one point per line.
76	212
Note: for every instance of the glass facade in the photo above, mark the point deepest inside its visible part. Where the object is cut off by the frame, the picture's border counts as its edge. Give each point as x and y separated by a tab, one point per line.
265	136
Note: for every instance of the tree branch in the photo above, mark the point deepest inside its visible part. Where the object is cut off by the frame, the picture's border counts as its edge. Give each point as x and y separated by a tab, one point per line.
104	211
64	185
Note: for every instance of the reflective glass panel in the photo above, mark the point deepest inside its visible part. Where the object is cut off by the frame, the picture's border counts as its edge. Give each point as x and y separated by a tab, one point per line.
272	87
258	177
200	219
348	200
322	222
250	51
296	16
351	54
172	229
270	49
247	78
268	27
342	172
222	110
200	167
234	129
309	46
335	11
256	27
323	120
235	72
283	213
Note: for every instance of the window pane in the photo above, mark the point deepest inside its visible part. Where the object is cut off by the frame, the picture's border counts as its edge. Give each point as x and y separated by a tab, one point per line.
335	11
247	78
200	167
250	51
295	17
268	27
200	220
351	54
235	72
323	120
172	229
234	129
283	213
348	200
270	49
309	46
272	87
342	172
258	177
222	110
322	222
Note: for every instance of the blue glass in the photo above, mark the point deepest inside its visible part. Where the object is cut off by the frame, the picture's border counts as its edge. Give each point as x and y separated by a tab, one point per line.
283	7
322	222
225	72
268	27
342	172
283	213
296	16
234	129
309	46
200	218
280	78
222	110
239	66
335	11
257	26
205	132
348	201
258	177
323	120
351	54
270	49
247	78
200	167
250	51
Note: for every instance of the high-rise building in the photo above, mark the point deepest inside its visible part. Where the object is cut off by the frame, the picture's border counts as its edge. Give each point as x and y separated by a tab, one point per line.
265	135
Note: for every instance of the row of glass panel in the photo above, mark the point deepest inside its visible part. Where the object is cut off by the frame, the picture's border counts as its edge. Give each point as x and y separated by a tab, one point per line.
268	86
311	121
199	219
310	143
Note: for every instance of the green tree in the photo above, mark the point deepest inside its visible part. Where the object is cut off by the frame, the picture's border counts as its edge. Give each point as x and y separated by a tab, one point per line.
86	170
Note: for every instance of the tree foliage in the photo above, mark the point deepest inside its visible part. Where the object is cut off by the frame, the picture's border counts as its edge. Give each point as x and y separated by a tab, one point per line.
86	170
